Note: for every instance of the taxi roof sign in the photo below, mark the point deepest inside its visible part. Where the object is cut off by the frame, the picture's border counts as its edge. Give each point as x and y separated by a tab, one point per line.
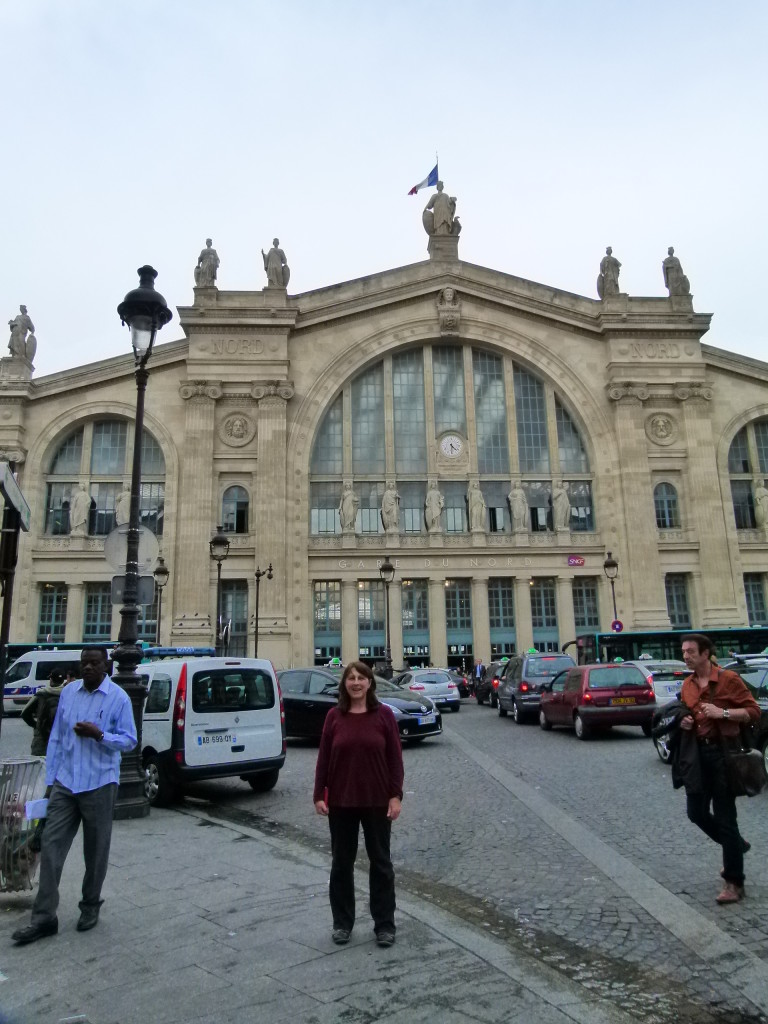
12	494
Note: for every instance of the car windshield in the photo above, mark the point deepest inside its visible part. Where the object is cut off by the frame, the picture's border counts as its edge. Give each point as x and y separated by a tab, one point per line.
546	667
615	675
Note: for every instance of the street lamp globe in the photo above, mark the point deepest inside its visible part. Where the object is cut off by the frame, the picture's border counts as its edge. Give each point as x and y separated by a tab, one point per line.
145	311
219	545
161	573
611	567
387	570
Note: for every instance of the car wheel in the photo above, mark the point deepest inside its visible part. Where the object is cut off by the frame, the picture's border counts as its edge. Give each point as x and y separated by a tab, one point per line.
582	730
662	749
493	700
456	707
262	782
158	788
544	722
517	714
502	711
647	727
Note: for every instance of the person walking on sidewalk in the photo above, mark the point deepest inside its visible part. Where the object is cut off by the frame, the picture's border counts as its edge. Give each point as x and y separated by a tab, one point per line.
359	781
40	711
93	726
719	702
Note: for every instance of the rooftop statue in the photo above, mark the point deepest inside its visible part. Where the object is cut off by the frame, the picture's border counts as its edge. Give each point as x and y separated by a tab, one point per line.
22	341
608	278
439	217
675	280
278	271
207	266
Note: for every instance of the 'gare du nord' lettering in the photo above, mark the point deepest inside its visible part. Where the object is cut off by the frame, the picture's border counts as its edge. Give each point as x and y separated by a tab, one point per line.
442	563
655	350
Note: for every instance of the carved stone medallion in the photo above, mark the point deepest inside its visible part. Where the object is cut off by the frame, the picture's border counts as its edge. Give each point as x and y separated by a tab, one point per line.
661	428
237	430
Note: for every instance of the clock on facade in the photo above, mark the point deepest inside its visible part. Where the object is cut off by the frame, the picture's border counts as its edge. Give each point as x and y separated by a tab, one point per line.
452	446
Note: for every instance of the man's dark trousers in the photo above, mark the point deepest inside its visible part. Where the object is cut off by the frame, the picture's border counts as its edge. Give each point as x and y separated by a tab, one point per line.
721	823
345	824
66	810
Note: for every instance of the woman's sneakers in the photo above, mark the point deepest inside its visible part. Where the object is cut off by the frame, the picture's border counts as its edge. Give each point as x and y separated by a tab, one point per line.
731	893
340	936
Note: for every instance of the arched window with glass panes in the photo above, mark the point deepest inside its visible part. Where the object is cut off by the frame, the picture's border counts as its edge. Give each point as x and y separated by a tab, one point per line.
522	429
234	510
99	455
747	469
666	505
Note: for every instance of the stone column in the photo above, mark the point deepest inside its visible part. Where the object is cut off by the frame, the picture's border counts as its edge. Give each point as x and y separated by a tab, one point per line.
438	640
190	621
566	626
481	628
73	629
523	622
350	644
720	604
396	623
640	566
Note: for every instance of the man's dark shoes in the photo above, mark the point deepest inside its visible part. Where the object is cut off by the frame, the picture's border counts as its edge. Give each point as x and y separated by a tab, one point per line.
340	936
89	918
33	932
385	939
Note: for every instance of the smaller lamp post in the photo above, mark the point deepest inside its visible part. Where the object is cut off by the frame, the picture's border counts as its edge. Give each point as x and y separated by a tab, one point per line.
219	545
259	573
611	570
161	575
387	573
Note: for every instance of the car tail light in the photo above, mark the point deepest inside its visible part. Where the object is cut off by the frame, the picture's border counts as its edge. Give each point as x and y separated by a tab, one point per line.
416	686
495	682
180	704
586	698
650	678
452	686
524	687
282	715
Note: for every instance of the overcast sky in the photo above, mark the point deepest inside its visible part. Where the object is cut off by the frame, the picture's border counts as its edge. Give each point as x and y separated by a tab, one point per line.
133	130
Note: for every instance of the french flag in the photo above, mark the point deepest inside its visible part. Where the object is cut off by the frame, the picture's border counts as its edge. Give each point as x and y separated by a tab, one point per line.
431	179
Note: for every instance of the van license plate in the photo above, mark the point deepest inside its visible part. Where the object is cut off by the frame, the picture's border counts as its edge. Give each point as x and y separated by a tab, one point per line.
622	700
224	737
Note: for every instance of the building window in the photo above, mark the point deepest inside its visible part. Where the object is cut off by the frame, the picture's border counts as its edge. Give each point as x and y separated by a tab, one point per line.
539	494
152	507
495	494
408	412
108	447
455	511
573	457
754	591
747	464
324	509
412	495
69	455
415	605
234	510
531	410
582	512
369	513
98	613
490	413
743	504
448	389
57	504
368	422
676	585
147	621
370	606
102	518
543	605
53	613
327	606
327	452
586	614
234	614
501	603
458	604
665	503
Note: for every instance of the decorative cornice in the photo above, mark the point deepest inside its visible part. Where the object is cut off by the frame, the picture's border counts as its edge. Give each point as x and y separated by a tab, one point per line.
273	389
198	389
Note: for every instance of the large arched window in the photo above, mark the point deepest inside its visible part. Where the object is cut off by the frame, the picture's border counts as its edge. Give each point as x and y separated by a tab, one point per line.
747	463
234	510
395	413
667	510
90	470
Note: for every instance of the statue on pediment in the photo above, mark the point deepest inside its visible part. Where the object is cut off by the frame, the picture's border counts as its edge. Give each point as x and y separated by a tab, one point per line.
276	266
608	278
22	342
208	263
674	279
439	216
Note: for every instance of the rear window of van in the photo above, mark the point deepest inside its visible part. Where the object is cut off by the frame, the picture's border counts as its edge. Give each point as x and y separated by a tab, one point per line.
232	690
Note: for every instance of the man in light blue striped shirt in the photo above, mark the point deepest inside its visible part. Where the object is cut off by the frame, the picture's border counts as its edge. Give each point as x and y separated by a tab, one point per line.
93	726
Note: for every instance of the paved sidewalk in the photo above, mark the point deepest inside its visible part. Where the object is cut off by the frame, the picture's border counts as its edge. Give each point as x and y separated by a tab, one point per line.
211	923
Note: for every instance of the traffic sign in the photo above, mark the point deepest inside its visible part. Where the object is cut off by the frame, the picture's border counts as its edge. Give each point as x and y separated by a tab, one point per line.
617	625
146	590
116	548
12	494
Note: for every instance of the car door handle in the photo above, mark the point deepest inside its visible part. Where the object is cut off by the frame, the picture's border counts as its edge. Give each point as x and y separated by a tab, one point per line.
208	732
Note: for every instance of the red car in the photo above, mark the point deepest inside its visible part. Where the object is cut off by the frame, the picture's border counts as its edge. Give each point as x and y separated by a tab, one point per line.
590	697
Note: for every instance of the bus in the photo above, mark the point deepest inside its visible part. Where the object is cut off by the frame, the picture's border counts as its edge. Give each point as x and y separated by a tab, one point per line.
664	644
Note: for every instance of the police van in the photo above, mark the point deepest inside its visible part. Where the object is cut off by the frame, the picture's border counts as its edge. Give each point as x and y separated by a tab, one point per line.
31	672
211	718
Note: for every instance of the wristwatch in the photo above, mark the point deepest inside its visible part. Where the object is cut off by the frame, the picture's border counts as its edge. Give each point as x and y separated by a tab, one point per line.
102	736
726	713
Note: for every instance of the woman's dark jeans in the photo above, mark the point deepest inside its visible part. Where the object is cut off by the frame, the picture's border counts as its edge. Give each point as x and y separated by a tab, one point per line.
345	824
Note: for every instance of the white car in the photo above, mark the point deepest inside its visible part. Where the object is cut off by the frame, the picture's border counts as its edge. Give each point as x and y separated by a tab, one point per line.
667	679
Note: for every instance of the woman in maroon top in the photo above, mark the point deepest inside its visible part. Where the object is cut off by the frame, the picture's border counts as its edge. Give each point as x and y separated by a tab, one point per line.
359	781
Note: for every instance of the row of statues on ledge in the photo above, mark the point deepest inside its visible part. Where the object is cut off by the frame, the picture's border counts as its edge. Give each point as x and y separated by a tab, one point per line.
675	280
434	503
275	266
82	504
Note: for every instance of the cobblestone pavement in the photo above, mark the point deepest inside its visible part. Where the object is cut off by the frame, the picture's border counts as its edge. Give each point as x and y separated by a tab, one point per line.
579	851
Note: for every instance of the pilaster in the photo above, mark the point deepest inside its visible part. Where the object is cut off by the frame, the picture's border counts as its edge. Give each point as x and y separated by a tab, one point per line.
438	637
73	629
566	625
396	623
481	629
523	620
350	644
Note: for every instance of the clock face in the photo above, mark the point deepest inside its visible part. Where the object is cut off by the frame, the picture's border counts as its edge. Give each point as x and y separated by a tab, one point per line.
452	446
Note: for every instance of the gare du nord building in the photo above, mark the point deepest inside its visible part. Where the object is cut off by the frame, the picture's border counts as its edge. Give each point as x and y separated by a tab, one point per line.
403	414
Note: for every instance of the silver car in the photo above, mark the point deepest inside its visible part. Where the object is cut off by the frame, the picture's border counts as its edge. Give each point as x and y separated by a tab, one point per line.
434	683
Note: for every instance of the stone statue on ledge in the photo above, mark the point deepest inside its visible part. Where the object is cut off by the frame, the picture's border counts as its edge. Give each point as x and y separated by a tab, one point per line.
278	271
674	279
608	278
561	506
23	342
390	509
349	503
434	504
518	506
477	507
760	496
439	216
207	266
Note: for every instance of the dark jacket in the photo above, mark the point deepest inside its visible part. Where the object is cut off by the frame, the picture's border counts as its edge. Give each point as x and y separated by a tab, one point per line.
683	746
39	713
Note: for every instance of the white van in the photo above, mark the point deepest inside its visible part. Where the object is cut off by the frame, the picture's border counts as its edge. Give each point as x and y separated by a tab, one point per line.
31	672
211	718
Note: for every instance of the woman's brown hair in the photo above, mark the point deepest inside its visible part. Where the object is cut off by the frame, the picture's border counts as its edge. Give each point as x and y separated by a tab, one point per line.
371	700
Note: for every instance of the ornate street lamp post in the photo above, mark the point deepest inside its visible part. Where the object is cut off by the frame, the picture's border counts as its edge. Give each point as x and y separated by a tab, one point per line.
145	311
161	575
611	570
259	573
219	545
387	573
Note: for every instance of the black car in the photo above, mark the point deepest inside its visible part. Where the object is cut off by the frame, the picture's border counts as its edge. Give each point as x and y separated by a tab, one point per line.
521	682
310	693
463	683
754	672
486	688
